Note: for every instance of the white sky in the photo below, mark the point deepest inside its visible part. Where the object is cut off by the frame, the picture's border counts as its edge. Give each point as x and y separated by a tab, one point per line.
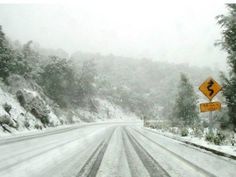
174	32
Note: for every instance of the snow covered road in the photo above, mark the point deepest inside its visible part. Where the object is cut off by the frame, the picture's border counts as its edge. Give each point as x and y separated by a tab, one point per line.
107	150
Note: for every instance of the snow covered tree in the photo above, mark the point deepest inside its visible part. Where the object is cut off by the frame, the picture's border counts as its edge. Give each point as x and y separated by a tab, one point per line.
64	85
5	56
56	80
85	84
228	43
185	109
87	78
11	61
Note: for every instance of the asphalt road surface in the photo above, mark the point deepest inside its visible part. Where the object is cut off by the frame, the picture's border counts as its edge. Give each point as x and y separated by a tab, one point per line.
107	150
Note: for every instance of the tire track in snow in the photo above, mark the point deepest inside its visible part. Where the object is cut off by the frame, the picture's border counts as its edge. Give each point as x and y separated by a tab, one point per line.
136	166
194	166
92	165
12	161
153	167
39	146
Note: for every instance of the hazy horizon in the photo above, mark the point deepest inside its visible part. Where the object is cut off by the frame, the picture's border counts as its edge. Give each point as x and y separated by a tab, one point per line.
172	32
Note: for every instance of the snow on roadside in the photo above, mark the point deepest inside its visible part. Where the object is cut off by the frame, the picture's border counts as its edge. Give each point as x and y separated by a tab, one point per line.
228	149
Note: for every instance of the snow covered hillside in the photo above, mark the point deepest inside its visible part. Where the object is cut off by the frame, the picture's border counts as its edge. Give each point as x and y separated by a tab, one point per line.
19	118
33	111
105	110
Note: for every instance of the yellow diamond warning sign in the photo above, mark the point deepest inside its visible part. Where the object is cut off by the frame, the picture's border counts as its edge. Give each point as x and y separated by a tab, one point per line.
210	88
212	106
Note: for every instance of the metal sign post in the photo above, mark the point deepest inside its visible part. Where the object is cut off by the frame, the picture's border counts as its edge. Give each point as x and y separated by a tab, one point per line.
210	121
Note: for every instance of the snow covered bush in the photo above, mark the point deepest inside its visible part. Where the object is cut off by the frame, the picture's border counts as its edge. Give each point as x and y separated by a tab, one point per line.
217	138
209	137
232	140
153	125
5	119
45	120
7	107
20	98
26	124
184	132
37	126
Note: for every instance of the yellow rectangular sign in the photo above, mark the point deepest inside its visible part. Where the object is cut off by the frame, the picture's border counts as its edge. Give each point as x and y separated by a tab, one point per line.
212	106
210	88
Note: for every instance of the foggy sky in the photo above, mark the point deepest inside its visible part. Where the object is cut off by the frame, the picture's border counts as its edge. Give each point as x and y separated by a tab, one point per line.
172	32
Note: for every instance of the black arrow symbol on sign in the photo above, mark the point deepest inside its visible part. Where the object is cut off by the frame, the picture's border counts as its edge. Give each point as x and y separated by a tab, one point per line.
210	84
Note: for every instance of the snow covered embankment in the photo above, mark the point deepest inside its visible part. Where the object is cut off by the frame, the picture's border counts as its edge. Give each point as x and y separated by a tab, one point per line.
105	111
14	117
27	110
223	150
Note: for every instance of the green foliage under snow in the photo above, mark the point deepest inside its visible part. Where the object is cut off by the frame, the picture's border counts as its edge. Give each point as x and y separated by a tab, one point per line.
228	43
185	110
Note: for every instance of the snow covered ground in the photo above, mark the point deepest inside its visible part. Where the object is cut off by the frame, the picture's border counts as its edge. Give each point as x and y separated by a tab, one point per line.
228	149
122	149
105	111
19	116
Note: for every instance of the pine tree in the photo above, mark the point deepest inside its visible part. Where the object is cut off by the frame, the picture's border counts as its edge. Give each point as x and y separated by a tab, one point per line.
5	56
228	43
11	61
185	109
